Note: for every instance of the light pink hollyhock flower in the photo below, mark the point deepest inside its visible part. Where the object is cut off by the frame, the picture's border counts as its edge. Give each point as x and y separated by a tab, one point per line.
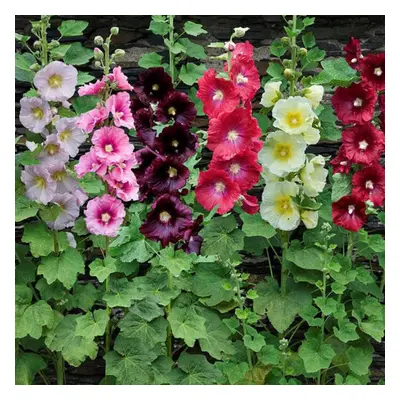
81	197
126	191
53	151
56	81
89	162
69	211
39	185
59	174
120	79
119	105
104	215
111	145
35	114
122	171
70	135
92	119
92	88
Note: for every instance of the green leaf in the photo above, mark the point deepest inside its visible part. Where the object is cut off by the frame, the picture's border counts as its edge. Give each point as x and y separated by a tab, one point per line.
307	21
161	369
198	370
60	51
24	208
346	332
193	29
253	340
22	64
72	28
176	261
83	104
374	327
329	130
159	27
190	73
197	102
147	309
254	225
308	40
310	257
192	49
336	72
31	93
150	60
341	186
360	358
78	55
54	291
83	297
277	49
315	54
84	77
120	294
102	269
50	212
235	371
92	325
80	227
269	355
39	238
275	70
316	356
64	268
27	365
91	183
326	305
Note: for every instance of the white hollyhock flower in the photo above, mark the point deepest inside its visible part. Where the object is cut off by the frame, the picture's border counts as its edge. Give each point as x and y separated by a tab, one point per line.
59	174
269	176
283	153
271	94
39	185
70	135
311	135
53	152
313	176
293	115
314	93
35	113
277	206
69	211
309	218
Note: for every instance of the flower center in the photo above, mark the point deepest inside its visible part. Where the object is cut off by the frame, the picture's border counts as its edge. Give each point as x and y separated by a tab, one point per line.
108	148
172	111
118	114
174	143
358	102
369	185
40	182
378	71
363	145
351	209
283	151
343	163
58	175
52	149
105	217
232	135
37	113
294	119
172	172
283	205
65	135
234	168
218	95
353	60
155	87
165	216
219	187
55	81
241	79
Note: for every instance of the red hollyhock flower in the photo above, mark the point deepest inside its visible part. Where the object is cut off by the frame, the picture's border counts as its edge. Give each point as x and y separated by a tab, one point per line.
341	164
242	168
176	141
349	213
363	144
178	107
373	70
243	49
217	94
167	221
166	175
153	85
250	204
381	101
245	76
353	53
144	124
355	104
369	184
231	133
215	188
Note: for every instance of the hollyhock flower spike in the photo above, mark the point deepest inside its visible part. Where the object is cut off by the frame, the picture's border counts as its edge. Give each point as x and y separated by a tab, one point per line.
353	53
35	114
349	213
178	107
373	70
39	185
369	184
70	135
119	106
89	162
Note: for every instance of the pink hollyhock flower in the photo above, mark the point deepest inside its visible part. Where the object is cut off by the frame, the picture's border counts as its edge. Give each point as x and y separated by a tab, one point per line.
111	145
39	185
363	144
70	135
217	94
143	125
92	88
59	174
178	107
69	211
126	191
355	104
249	204
167	221
89	162
369	184
80	196
119	106
122	171
35	114
120	79
104	215
231	133
341	164
349	213
92	119
216	188
56	81
245	76
243	49
53	151
373	70
353	53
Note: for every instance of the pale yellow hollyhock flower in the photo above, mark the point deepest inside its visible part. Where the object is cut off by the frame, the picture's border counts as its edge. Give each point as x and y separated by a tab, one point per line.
314	93
309	218
271	94
311	135
313	176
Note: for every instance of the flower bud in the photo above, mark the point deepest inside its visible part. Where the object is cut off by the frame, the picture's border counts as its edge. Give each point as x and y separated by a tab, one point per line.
229	46
119	53
114	30
287	63
97	64
98	40
54	110
98	54
53	44
303	52
37	44
285	40
34	67
239	32
288	73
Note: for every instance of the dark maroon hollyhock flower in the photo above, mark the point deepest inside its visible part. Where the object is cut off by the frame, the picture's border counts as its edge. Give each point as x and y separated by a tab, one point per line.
178	107
341	164
250	204
369	184
144	158
167	221
349	213
353	53
381	101
153	85
176	141
355	104
166	175
136	104
193	240
373	70
143	124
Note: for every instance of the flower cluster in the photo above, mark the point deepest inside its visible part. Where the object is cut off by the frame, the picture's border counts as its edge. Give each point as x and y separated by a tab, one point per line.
233	134
362	141
292	178
111	155
161	171
49	181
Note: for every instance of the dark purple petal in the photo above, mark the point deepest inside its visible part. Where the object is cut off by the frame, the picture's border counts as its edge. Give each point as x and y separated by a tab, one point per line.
177	107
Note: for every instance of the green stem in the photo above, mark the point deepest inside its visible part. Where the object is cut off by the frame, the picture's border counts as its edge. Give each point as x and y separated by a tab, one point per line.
107	55
171	55
44	377
284	271
55	242
43	40
269	264
323	324
294	56
350	245
168	311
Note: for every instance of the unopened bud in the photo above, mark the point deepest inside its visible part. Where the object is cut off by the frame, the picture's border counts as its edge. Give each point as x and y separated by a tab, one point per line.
54	110
98	54
37	44
229	46
285	40
98	40
303	52
288	73
114	30
239	32
287	63
53	44
119	53
97	64
34	67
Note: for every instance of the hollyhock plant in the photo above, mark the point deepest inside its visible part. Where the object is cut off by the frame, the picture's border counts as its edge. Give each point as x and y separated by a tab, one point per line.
69	211
92	119
353	53
369	184
104	215
35	114
178	107
373	70
119	106
70	135
38	182
349	213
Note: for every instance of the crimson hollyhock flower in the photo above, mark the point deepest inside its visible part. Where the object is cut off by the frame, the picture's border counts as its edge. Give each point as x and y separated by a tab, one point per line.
245	76
176	141
178	107
369	184
193	240
217	94
216	188
153	85
167	221
144	124
363	144
250	204
231	132
373	70
242	168
341	164
355	104
166	175
243	49
349	213
381	101
353	53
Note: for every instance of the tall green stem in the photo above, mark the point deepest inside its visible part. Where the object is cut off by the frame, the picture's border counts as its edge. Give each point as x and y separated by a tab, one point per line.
350	245
294	56
284	272
323	291
171	55
43	40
